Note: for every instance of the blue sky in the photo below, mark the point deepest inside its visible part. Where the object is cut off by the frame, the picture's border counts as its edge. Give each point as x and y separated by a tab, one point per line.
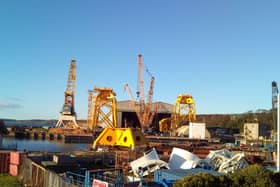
224	53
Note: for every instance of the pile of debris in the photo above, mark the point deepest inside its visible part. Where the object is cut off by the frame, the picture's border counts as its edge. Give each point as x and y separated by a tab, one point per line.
221	161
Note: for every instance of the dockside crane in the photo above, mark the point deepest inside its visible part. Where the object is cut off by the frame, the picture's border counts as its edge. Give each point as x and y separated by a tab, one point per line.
67	117
143	109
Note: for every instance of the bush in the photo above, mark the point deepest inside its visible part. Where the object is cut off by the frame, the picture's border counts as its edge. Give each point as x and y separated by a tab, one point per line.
253	175
199	180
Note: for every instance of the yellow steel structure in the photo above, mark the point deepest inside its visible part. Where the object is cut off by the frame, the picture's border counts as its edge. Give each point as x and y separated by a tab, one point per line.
125	137
102	108
103	113
184	111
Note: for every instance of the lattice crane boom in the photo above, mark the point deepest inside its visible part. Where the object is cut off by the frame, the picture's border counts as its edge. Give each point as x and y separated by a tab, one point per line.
143	109
68	113
274	105
127	88
134	103
69	104
140	82
151	89
71	83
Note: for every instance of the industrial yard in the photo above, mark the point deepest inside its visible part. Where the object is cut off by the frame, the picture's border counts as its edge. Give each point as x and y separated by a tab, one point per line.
139	93
138	142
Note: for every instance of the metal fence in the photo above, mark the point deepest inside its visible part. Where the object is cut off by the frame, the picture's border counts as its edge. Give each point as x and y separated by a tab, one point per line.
32	174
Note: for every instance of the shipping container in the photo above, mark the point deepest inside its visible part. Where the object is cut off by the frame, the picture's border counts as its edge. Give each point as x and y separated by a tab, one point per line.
14	169
4	161
16	157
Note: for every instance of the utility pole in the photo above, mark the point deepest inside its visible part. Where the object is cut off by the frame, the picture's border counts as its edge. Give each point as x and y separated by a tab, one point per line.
278	132
274	105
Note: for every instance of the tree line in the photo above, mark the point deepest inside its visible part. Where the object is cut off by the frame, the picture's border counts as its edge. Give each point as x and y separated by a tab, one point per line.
264	117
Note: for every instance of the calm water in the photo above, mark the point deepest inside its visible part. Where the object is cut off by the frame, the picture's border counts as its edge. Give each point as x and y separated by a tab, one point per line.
44	145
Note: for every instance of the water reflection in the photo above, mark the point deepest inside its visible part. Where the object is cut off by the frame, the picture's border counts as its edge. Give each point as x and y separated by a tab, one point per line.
44	145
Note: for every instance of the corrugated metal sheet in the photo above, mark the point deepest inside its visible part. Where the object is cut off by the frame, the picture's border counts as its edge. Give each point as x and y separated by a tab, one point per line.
14	157
4	161
13	169
127	106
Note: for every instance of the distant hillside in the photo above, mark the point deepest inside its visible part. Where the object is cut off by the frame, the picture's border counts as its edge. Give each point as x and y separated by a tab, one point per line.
38	122
263	117
237	120
33	123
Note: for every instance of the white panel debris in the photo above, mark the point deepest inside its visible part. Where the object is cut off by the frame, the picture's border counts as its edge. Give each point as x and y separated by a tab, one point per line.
183	159
226	162
147	164
220	160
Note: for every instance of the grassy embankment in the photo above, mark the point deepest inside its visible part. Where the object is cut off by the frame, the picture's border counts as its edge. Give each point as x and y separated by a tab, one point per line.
8	181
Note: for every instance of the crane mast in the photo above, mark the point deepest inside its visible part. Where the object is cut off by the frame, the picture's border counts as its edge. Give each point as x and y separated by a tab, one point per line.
151	89
274	104
142	108
70	90
149	114
68	114
140	84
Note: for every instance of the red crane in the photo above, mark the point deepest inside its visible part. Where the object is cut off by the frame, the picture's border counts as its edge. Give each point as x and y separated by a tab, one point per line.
142	108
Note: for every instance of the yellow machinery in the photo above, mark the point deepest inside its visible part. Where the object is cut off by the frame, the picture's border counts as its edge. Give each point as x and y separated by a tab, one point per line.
184	111
102	109
103	113
125	137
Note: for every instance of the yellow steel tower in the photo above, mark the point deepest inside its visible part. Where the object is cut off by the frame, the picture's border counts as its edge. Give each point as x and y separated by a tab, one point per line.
102	109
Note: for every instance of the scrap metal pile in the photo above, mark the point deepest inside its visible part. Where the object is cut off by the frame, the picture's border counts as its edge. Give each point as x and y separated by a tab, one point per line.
226	162
222	161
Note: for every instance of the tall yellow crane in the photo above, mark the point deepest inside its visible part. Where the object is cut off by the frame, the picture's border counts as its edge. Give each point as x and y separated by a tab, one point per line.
184	111
142	108
103	113
68	115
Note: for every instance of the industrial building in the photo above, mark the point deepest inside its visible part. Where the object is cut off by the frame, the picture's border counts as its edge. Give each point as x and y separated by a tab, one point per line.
255	131
127	116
